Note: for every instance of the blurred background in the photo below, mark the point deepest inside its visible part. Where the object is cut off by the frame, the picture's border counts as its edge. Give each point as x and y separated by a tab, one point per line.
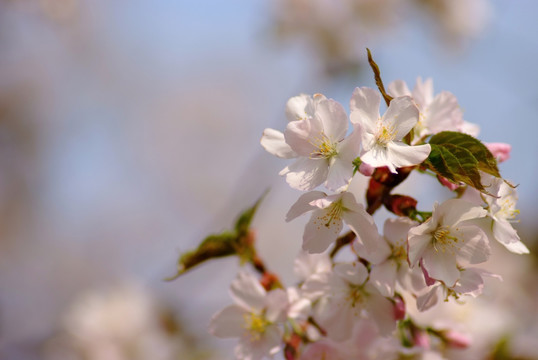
129	130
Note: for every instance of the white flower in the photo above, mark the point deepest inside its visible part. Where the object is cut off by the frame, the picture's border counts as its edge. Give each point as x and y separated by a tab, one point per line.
470	283
344	296
253	319
393	266
449	239
329	212
318	140
502	210
382	136
437	113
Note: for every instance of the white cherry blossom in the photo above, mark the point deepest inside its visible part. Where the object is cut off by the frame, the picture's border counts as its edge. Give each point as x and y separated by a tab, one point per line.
318	141
344	296
254	318
382	137
326	222
449	239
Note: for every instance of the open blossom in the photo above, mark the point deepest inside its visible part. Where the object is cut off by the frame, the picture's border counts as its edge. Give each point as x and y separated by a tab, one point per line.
502	210
326	223
449	239
254	319
344	296
437	113
382	136
318	140
470	283
392	266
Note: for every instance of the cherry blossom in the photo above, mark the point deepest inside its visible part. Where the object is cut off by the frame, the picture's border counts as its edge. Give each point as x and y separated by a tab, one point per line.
318	141
449	239
326	222
382	137
343	297
253	318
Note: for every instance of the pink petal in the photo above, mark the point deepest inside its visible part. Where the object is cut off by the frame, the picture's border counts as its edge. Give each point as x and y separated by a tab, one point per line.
333	118
320	232
400	154
247	292
299	134
398	88
354	273
454	211
423	92
229	322
299	107
383	277
441	266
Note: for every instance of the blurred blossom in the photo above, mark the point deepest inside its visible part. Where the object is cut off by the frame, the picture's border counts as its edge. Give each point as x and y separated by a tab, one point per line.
338	31
124	323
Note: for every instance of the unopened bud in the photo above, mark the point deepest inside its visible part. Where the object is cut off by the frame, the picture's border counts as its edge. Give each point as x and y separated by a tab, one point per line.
399	307
450	185
366	169
501	151
456	339
401	205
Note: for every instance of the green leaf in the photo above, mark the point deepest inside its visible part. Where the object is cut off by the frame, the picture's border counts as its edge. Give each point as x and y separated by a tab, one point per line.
455	163
235	242
486	160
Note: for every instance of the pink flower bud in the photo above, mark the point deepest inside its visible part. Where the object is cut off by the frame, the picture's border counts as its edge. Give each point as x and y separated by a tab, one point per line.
444	181
399	307
501	151
457	340
422	339
366	169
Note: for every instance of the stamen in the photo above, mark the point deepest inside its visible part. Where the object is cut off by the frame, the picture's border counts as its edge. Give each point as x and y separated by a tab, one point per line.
325	148
442	240
255	325
385	134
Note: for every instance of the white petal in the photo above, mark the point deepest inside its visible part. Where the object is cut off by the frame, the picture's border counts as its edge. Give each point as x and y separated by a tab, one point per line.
383	277
423	92
381	311
443	114
395	230
429	299
247	292
306	174
517	248
341	168
302	205
306	265
474	245
454	211
401	115
441	266
273	141
400	154
360	222
276	304
338	320
470	283
364	107
378	156
321	231
299	135
299	107
398	88
229	322
354	273
504	232
418	240
334	119
317	285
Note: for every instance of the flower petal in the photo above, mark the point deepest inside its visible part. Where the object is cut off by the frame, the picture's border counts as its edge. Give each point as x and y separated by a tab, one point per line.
400	154
229	322
401	116
299	134
306	174
247	292
441	266
321	231
360	222
302	205
354	273
364	107
383	277
504	232
443	114
299	107
273	141
398	88
423	92
333	118
454	211
417	242
474	245
377	156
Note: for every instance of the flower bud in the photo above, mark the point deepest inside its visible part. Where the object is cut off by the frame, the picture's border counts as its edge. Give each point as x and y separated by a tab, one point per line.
444	181
501	151
366	169
456	339
399	307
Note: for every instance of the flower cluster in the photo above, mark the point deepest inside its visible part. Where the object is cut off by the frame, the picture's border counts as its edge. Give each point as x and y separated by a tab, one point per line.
361	308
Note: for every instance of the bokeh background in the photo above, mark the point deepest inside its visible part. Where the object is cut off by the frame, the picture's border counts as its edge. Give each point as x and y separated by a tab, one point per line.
129	130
